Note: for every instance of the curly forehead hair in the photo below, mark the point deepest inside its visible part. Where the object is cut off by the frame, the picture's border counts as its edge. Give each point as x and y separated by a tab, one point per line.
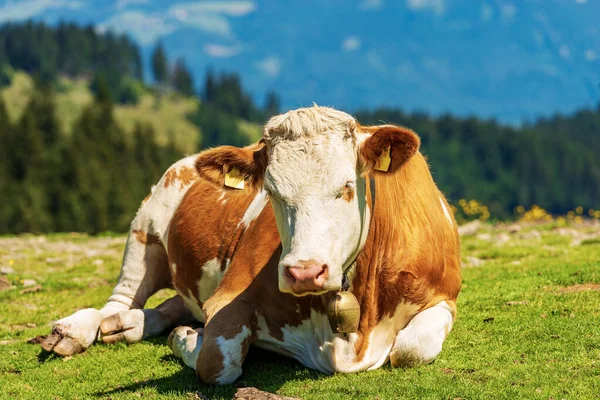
306	123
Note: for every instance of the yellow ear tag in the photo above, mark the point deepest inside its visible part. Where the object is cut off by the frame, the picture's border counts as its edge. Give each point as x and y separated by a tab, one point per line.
384	160
234	179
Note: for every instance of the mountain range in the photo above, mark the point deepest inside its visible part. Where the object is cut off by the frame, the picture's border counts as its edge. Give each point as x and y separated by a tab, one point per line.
514	61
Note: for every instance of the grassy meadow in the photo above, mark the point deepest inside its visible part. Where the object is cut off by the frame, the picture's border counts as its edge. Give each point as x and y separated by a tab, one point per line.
528	327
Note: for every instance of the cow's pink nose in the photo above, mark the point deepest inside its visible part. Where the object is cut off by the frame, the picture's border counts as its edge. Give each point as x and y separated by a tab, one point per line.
307	276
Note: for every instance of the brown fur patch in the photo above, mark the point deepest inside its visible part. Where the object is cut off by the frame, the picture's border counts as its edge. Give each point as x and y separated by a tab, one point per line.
145	238
411	255
580	287
146	198
251	161
210	362
201	231
403	144
184	175
348	194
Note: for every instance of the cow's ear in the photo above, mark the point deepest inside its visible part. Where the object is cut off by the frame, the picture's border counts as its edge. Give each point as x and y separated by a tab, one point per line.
385	148
233	167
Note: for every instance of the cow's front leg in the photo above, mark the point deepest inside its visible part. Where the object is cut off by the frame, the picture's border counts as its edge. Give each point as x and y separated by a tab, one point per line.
421	340
144	271
78	331
135	325
218	351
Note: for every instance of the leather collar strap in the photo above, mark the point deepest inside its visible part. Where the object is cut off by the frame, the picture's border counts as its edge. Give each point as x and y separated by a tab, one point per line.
345	280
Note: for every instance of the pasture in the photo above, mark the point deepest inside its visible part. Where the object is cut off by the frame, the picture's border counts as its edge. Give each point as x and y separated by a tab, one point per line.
528	327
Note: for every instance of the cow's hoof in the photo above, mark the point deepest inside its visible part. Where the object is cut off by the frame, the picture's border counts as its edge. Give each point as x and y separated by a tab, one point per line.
123	326
73	334
184	341
63	346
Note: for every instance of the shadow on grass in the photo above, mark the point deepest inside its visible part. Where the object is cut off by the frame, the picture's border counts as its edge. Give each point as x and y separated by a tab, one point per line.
264	370
44	356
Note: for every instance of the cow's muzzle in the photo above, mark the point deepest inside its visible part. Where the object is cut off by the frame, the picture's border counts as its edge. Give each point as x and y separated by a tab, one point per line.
306	277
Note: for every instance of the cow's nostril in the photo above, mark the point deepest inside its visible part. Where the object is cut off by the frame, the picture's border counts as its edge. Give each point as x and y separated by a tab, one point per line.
289	275
323	271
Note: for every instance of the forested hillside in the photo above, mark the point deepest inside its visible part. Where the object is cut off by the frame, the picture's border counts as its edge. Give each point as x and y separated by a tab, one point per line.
81	145
70	50
553	163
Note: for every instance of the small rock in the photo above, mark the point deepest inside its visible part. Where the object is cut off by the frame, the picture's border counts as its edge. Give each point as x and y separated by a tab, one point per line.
7	342
54	260
565	231
470	228
7	271
31	289
474	261
503	238
98	262
514	228
484	236
29	282
517	262
531	235
31	325
517	303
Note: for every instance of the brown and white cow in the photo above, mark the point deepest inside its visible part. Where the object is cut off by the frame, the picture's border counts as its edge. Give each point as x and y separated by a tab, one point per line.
259	265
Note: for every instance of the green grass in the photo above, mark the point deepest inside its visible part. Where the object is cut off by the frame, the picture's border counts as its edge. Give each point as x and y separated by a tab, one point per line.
518	334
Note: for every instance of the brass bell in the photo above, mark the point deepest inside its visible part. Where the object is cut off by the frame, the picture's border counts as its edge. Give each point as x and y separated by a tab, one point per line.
343	312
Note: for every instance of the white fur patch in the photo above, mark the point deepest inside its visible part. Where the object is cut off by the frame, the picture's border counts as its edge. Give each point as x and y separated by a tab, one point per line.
254	209
222	200
231	349
211	277
186	345
421	340
314	345
446	213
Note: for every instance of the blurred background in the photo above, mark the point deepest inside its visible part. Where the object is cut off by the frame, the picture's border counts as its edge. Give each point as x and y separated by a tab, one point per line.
99	97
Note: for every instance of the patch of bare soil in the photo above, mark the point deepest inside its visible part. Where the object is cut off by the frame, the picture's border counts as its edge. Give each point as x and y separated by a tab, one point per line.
580	287
4	284
251	393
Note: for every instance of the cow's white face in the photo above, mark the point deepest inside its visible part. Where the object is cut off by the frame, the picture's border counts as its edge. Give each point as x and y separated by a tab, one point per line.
312	165
318	197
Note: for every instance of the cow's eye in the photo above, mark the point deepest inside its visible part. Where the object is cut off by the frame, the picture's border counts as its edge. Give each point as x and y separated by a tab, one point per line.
347	192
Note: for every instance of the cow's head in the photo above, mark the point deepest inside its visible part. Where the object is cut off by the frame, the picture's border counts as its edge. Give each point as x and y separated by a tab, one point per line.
313	164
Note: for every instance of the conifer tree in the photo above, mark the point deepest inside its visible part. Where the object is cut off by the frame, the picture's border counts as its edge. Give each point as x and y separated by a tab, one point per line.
272	104
209	86
160	65
182	78
6	183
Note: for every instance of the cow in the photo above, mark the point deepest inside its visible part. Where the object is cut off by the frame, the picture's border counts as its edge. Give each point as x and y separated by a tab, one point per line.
257	241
